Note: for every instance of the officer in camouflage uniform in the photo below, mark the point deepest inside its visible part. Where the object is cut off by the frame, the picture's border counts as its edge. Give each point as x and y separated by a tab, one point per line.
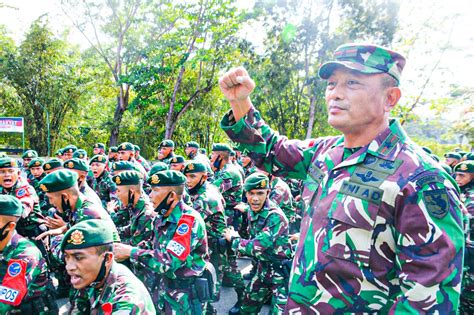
191	149
177	163
166	151
382	231
269	245
464	174
179	252
68	151
126	152
112	156
81	154
82	169
140	159
98	149
27	156
209	203
37	173
109	287
26	287
103	185
247	165
52	165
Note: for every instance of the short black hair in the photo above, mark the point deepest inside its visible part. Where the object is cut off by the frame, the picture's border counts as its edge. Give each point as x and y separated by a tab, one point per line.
105	248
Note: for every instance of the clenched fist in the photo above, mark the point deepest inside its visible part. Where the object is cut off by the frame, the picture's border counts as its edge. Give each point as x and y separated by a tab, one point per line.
236	85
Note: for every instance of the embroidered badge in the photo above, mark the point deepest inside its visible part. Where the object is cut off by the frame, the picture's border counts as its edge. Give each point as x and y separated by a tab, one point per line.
47	166
263	184
14	269
70	165
436	202
463	167
21	192
99	158
117	180
37	163
76	238
155	179
190	166
43	188
183	229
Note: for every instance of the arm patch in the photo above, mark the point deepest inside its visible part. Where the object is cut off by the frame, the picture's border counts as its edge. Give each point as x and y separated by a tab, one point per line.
180	245
13	287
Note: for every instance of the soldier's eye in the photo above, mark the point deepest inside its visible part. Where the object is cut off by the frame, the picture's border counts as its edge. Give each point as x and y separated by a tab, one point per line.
352	82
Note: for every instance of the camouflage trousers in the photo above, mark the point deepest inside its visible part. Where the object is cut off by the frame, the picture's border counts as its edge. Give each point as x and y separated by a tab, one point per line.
218	260
177	299
466	305
265	283
232	274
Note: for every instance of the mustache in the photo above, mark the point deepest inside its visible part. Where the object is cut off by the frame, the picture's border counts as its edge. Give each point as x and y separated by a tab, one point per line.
339	105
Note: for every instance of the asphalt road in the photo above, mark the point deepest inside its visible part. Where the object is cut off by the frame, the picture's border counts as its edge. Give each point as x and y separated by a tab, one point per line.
227	300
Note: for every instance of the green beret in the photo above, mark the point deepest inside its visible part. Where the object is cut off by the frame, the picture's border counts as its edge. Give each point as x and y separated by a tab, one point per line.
70	148
177	159
99	158
113	149
59	180
191	144
80	154
453	155
36	163
30	154
464	167
10	205
167	144
462	153
52	164
158	167
367	59
8	162
126	146
127	178
166	178
99	145
58	152
447	168
76	164
88	233
203	151
194	167
136	147
256	181
123	166
470	156
221	147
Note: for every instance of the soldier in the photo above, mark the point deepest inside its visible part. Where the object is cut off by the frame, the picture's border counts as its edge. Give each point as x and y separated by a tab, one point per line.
113	155
80	154
452	158
52	165
82	169
464	174
269	245
179	251
111	288
140	159
26	287
229	182
103	185
209	203
126	153
367	189
191	149
177	163
37	174
26	157
98	149
58	154
247	165
166	151
68	151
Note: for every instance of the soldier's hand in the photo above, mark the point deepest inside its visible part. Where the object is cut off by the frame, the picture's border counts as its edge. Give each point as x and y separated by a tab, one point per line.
229	233
111	206
122	251
242	207
54	223
236	85
294	237
54	232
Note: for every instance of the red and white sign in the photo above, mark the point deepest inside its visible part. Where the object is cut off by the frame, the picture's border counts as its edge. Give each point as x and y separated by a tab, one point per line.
11	124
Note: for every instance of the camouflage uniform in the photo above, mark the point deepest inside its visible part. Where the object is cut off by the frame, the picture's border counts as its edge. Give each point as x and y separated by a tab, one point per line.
269	245
105	188
39	298
90	193
42	198
280	194
379	219
177	266
144	163
140	227
467	293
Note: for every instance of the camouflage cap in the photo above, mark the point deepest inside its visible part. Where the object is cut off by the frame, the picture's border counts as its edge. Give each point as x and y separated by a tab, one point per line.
194	167
59	180
88	233
76	164
464	167
29	154
127	178
453	155
80	154
10	205
221	147
136	147
126	146
365	58
158	167
177	159
52	164
167	143
256	181
123	166
166	178
99	145
99	158
37	162
8	162
113	149
192	144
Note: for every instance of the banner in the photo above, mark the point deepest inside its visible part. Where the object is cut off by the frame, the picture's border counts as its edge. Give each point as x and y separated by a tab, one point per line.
11	124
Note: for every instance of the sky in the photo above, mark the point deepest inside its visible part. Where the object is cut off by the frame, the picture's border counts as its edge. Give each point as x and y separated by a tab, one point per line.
445	22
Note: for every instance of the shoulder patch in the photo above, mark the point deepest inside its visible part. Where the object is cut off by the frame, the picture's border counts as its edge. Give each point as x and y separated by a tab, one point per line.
13	287
437	202
429	179
180	245
22	192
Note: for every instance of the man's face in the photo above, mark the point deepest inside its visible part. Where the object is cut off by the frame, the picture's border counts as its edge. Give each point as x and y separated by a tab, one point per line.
137	154
66	156
83	265
26	161
451	161
355	101
125	155
190	150
164	152
97	169
157	195
177	167
245	160
256	198
9	177
36	171
55	199
463	178
192	179
122	193
97	151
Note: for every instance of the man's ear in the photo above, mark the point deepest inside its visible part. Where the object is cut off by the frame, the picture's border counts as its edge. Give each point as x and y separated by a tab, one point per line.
392	97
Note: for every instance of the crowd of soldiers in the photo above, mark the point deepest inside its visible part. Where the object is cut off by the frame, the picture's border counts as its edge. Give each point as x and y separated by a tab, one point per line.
329	225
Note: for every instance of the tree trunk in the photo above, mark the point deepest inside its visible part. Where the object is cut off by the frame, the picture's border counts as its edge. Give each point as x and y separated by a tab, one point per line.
122	104
312	111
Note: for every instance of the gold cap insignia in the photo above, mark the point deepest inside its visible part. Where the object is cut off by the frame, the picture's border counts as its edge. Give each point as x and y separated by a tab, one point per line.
463	167
47	166
263	183
114	166
96	146
99	158
37	163
190	166
30	154
70	164
76	238
155	179
43	188
124	146
174	160
117	180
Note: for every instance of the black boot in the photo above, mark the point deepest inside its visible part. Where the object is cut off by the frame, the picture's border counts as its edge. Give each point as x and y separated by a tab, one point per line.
235	310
